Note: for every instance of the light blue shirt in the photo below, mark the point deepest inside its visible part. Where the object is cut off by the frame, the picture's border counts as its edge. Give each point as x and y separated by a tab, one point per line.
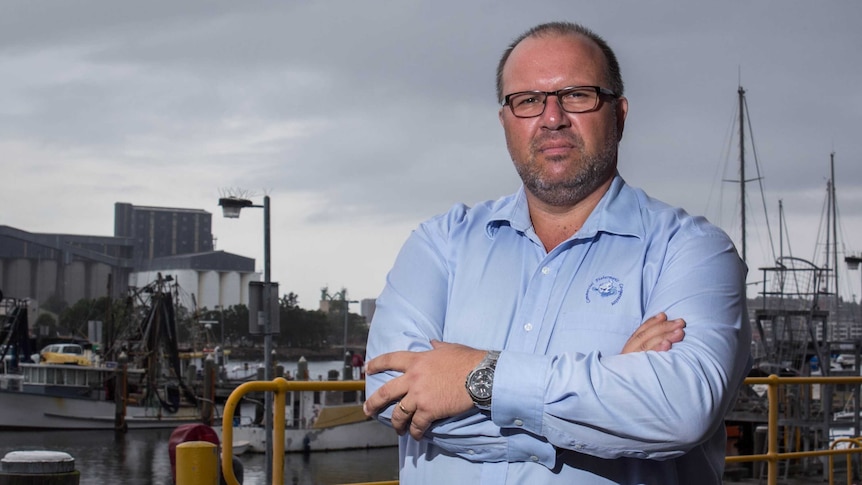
567	407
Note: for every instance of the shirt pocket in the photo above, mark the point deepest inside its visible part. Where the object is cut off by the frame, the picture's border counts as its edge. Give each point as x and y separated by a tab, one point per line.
585	332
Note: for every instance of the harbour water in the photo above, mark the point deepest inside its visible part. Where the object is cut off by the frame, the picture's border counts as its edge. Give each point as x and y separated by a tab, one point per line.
140	457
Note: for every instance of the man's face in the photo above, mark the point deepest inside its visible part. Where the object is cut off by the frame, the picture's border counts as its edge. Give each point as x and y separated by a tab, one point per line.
561	157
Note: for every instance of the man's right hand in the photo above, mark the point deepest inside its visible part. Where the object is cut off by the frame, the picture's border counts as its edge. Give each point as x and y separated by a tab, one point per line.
657	333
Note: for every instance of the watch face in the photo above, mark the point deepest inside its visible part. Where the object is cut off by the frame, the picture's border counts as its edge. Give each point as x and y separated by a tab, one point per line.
481	383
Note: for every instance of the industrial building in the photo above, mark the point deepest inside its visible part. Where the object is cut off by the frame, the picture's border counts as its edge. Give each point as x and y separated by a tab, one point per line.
175	242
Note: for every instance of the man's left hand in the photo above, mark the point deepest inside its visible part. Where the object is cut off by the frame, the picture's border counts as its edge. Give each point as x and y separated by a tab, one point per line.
430	388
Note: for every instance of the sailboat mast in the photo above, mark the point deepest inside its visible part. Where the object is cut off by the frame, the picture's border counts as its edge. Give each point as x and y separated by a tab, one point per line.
780	229
832	202
741	93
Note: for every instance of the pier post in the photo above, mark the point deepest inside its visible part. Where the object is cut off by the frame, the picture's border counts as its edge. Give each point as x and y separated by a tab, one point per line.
121	392
38	468
347	368
197	463
302	369
207	410
259	396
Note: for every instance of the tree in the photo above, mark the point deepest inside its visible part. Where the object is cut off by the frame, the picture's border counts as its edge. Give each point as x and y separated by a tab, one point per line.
73	320
46	320
234	319
301	328
54	304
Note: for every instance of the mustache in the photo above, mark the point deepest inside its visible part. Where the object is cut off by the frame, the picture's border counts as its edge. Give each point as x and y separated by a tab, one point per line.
555	137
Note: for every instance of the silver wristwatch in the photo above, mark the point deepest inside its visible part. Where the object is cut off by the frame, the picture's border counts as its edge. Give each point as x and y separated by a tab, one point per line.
480	381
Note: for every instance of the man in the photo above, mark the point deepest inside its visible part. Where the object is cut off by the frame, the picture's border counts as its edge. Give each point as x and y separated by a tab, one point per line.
507	346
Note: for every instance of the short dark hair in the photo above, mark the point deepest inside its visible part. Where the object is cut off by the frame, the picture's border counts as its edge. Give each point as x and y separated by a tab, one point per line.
612	66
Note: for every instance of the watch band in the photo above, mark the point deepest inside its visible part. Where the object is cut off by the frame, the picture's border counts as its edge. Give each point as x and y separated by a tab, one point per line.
490	359
480	381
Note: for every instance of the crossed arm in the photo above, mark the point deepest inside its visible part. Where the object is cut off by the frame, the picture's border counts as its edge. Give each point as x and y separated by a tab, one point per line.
431	386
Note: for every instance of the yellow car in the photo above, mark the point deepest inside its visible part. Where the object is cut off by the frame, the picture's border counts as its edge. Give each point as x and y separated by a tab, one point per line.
72	354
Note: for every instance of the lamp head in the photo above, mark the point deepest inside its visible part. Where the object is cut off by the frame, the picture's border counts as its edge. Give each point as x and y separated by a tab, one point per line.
231	206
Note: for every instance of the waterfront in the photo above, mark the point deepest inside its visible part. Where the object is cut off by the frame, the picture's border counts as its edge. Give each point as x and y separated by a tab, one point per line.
140	457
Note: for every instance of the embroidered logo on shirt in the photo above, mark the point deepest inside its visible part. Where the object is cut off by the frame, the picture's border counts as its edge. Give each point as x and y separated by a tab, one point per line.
606	287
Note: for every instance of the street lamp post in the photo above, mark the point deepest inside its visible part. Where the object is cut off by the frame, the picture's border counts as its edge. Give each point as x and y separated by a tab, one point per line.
231	207
853	263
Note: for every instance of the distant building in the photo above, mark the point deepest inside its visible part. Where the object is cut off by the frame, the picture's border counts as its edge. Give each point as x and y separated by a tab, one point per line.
334	302
367	307
147	241
158	232
67	266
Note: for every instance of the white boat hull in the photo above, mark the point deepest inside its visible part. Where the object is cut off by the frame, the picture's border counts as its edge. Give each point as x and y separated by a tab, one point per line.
24	410
364	434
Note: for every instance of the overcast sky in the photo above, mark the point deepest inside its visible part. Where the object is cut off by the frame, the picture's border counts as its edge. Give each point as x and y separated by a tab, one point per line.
363	118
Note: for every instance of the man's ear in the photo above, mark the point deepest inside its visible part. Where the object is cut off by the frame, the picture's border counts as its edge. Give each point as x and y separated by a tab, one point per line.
622	110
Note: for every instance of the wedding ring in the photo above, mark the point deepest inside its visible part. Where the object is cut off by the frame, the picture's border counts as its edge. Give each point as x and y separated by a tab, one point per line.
401	407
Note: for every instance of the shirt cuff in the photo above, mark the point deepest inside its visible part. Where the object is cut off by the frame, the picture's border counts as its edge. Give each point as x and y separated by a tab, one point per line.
518	405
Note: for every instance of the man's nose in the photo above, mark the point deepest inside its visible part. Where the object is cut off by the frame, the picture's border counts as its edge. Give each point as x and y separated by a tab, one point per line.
554	117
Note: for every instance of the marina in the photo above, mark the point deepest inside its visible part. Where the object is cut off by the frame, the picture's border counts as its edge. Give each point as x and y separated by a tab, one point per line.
141	456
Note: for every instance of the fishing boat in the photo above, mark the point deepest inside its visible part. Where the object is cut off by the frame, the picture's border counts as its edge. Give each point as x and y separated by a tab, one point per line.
319	421
142	388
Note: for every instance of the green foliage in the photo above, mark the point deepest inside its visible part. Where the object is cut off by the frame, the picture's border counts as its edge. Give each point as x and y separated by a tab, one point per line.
73	320
235	321
54	304
301	328
47	320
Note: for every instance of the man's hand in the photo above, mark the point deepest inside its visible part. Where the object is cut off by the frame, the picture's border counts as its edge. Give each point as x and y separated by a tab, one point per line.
431	387
657	333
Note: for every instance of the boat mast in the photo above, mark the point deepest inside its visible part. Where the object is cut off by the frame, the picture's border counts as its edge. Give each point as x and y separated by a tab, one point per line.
834	217
741	93
780	229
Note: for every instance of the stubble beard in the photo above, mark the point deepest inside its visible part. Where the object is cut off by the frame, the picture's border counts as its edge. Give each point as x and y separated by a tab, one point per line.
592	170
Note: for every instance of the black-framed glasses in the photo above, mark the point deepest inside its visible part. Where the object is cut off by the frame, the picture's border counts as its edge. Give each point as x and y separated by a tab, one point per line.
573	99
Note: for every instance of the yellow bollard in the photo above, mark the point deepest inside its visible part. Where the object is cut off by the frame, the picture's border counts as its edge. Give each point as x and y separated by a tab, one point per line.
197	463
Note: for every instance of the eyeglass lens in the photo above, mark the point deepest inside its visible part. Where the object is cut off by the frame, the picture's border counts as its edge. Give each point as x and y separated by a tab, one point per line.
577	100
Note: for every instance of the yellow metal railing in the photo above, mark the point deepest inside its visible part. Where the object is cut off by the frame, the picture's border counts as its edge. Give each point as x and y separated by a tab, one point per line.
772	456
853	443
280	387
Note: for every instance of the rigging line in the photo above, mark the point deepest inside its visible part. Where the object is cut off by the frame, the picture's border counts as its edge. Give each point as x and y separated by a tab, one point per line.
786	233
823	211
797	284
759	178
841	231
720	170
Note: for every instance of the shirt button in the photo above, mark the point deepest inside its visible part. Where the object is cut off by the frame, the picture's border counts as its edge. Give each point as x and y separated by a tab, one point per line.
534	458
546	270
528	327
518	422
471	452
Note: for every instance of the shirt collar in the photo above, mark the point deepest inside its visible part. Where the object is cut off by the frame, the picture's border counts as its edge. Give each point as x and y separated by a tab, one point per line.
618	212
